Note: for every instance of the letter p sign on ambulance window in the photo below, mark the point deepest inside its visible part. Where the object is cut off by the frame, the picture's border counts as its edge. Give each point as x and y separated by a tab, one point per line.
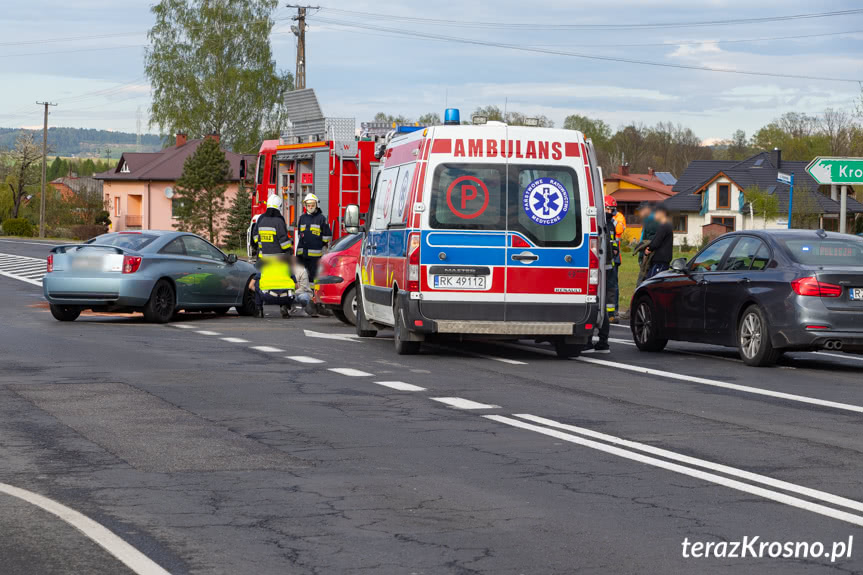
467	197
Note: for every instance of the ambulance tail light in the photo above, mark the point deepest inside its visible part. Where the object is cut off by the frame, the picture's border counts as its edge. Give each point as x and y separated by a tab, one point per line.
414	262
593	267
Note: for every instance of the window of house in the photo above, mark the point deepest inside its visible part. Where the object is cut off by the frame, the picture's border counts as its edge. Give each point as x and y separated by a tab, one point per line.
680	224
729	223
117	206
176	207
124	169
723	197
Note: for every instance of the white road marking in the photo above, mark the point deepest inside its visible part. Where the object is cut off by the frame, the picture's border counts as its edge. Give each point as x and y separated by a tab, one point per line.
204	332
267	349
684	351
235	340
304	359
182	326
350	372
841	355
400	386
19	278
460	403
338	336
715	383
755	477
125	553
22	268
696	473
483	355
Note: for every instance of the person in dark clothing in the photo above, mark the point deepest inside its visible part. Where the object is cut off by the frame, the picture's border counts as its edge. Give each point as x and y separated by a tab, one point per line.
315	236
662	245
271	236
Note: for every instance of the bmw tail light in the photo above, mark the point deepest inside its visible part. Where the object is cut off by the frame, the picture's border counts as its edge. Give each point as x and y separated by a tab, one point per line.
131	264
810	286
593	270
50	264
414	262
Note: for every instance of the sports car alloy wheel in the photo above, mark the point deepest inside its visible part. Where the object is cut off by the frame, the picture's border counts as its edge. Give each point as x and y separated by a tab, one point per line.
750	335
643	323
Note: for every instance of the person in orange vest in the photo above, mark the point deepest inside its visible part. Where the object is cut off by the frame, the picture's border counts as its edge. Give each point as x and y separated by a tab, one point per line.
618	222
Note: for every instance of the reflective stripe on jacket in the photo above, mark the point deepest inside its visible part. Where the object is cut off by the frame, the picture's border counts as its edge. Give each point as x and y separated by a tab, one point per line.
315	234
271	235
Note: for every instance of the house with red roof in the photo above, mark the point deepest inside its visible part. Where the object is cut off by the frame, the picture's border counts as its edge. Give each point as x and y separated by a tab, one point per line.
631	189
140	191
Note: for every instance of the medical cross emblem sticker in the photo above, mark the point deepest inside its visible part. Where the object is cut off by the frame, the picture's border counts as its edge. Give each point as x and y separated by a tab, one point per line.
546	201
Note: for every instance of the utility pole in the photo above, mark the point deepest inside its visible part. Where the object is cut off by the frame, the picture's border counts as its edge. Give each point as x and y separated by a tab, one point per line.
299	31
44	168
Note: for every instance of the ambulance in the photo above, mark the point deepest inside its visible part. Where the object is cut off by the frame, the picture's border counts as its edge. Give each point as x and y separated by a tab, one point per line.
483	231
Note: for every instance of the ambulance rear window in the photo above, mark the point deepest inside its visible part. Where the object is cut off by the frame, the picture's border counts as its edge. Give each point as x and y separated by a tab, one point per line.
468	197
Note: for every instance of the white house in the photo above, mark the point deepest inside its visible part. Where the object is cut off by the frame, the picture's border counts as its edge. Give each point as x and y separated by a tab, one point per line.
710	197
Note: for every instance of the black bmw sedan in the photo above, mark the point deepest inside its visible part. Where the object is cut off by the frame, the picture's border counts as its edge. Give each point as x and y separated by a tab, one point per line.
764	292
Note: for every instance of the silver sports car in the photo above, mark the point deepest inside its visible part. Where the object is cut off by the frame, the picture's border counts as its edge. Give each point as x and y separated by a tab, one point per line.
155	272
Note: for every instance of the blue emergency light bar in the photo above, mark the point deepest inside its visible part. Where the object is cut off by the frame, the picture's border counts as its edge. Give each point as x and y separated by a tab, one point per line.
408	129
451	117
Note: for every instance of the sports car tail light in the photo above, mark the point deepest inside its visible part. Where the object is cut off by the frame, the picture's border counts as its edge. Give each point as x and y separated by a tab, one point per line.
414	262
810	286
131	264
50	264
593	269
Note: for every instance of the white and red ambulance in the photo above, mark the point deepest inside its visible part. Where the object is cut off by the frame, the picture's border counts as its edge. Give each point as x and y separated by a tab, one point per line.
489	231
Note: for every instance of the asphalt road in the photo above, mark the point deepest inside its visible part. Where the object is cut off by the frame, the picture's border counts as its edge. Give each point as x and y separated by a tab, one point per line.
238	445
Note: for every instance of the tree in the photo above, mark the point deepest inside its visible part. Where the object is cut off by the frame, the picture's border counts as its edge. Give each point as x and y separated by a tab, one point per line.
495	114
238	219
22	164
211	70
763	203
837	126
597	130
430	119
202	187
805	211
389	119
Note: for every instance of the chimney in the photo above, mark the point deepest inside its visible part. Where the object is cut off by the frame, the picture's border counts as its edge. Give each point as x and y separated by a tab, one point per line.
651	172
181	139
624	169
776	158
213	136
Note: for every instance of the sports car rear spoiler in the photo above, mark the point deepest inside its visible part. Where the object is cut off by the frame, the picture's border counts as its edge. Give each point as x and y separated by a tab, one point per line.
62	249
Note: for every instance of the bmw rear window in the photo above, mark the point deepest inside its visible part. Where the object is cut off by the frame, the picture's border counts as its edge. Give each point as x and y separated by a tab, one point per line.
828	252
132	242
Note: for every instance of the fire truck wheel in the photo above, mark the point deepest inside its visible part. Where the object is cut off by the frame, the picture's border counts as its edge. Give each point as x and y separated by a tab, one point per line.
403	345
364	327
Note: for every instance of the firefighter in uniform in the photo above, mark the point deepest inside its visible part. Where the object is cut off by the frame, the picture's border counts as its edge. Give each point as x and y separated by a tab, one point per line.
314	236
273	240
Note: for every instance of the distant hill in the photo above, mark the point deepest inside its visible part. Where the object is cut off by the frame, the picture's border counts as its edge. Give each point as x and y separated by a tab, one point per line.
83	142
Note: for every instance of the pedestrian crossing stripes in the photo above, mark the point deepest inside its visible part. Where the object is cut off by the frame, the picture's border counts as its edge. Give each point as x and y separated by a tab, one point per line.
22	268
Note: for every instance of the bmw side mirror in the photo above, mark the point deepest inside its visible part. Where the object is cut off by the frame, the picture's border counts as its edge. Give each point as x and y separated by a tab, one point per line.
352	219
232	258
679	265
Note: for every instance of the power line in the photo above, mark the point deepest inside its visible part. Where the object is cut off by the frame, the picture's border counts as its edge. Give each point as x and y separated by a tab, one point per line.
616	26
73	51
702	42
488	43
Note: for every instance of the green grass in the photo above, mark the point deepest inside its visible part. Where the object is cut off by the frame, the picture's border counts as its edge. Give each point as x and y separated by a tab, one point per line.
46	239
628	274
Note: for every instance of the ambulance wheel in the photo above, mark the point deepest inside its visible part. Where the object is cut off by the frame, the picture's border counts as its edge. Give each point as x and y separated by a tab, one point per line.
364	327
567	350
403	345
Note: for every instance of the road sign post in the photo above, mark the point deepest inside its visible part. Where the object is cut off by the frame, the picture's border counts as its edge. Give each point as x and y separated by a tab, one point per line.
845	171
788	179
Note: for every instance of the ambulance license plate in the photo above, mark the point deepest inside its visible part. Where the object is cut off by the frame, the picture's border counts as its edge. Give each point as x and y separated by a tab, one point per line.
459	282
856	294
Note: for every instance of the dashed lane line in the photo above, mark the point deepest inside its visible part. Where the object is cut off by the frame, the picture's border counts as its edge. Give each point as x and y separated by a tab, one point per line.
304	359
350	372
400	386
683	470
460	403
267	349
235	340
182	326
205	332
694	461
125	553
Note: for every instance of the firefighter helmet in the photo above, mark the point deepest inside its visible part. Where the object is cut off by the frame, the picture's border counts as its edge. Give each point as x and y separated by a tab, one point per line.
311	198
274	201
610	202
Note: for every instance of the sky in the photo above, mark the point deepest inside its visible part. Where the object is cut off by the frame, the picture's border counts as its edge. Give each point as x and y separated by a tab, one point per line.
91	60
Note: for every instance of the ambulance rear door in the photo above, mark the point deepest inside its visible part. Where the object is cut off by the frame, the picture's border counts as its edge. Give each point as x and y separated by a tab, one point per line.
463	243
547	254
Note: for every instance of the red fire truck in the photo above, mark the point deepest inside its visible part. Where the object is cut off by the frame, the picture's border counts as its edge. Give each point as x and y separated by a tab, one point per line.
318	155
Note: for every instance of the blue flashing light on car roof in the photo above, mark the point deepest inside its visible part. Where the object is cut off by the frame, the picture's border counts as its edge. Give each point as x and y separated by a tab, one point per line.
451	117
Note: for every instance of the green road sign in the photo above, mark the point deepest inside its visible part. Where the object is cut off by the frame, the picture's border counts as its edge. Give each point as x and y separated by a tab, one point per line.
836	170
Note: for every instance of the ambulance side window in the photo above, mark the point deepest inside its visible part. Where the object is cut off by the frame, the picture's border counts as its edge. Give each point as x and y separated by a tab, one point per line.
384	198
401	194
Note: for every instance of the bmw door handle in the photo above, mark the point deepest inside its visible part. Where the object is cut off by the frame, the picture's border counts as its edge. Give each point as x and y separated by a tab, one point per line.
525	257
744	281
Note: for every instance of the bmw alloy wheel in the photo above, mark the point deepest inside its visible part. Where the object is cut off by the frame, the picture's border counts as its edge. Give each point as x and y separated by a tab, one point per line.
643	323
751	332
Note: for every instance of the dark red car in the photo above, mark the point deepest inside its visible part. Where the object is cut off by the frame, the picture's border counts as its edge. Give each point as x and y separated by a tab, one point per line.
335	283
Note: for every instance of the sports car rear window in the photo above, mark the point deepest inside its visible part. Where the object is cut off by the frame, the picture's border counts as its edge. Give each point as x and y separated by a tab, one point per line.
830	252
126	241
